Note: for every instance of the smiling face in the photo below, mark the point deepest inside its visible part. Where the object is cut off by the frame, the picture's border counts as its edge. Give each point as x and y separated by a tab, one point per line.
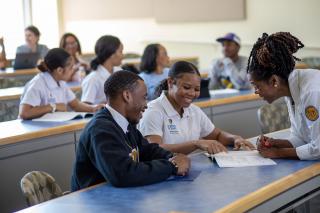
31	38
185	89
71	45
137	102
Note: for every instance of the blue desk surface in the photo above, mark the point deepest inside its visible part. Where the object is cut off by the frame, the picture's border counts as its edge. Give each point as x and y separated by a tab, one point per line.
213	189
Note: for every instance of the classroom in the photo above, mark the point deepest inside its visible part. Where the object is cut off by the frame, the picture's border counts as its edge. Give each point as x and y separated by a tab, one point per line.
174	106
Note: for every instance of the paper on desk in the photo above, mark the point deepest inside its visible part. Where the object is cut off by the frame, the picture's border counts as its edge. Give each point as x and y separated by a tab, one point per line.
241	159
63	116
191	176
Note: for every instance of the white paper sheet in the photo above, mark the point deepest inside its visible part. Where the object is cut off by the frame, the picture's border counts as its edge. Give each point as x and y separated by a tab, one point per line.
241	159
62	116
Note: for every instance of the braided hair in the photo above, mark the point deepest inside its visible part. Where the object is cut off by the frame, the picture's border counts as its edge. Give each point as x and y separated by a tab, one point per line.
273	55
120	81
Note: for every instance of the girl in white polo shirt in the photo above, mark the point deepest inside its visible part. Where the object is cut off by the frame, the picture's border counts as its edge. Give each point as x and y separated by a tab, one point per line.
271	71
179	126
108	51
48	92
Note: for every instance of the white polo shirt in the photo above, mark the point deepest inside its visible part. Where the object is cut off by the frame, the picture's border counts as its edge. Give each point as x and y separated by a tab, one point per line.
162	119
304	114
43	90
93	86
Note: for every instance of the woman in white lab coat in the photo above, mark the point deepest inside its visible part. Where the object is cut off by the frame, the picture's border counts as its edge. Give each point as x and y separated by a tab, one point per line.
271	71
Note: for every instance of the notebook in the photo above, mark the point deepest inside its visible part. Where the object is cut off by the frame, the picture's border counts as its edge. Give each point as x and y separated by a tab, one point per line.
241	159
26	60
63	116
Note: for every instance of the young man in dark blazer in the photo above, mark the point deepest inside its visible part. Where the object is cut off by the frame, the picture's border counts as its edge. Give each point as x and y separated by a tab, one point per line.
112	149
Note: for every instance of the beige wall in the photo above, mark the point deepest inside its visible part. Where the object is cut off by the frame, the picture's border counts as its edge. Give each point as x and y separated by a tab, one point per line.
198	39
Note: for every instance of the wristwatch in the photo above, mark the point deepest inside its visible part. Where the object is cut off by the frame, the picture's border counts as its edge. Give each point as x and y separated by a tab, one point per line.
53	106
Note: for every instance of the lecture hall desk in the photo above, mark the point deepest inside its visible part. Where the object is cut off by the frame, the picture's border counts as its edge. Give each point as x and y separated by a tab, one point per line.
29	145
248	189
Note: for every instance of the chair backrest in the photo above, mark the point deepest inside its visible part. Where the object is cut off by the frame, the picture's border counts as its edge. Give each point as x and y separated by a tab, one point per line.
273	117
38	186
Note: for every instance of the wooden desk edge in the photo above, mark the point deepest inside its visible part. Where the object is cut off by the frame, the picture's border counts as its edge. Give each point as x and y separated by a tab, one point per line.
43	133
17	96
19	72
255	198
229	100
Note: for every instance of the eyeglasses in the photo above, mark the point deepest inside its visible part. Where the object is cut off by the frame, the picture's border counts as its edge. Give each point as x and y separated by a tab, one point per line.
73	44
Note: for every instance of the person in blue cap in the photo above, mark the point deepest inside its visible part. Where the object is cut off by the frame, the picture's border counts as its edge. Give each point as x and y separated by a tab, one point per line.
229	71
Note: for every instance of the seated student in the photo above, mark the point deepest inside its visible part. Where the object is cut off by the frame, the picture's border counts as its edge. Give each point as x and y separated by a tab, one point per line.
109	54
153	67
271	71
229	71
32	36
3	59
71	44
179	126
112	149
48	92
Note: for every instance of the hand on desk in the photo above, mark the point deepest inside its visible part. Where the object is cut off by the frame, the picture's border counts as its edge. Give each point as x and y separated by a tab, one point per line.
275	148
240	143
211	146
182	162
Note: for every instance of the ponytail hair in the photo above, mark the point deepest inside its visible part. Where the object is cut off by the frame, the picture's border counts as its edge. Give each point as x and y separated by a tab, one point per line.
104	48
56	57
177	70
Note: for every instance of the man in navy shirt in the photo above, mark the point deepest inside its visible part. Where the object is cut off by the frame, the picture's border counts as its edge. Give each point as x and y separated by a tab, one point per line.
112	149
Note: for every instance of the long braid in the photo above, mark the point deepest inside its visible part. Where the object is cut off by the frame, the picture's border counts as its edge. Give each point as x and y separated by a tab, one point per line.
273	54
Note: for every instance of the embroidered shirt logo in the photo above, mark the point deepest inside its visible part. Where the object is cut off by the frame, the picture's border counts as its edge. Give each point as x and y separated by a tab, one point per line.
312	113
172	127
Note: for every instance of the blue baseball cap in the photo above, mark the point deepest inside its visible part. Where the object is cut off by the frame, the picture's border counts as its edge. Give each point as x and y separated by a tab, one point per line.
229	37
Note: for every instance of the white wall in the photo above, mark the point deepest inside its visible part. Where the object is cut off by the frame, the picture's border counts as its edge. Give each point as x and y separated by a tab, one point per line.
198	39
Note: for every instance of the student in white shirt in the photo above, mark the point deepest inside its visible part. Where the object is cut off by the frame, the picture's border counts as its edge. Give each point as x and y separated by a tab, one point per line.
179	126
109	54
271	71
47	91
154	67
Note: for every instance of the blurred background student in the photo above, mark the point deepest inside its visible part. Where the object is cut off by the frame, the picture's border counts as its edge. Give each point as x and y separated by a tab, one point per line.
47	91
71	44
109	54
32	37
231	70
154	67
3	59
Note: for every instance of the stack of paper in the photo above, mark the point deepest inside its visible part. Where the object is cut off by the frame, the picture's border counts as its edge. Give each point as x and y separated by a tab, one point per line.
241	159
